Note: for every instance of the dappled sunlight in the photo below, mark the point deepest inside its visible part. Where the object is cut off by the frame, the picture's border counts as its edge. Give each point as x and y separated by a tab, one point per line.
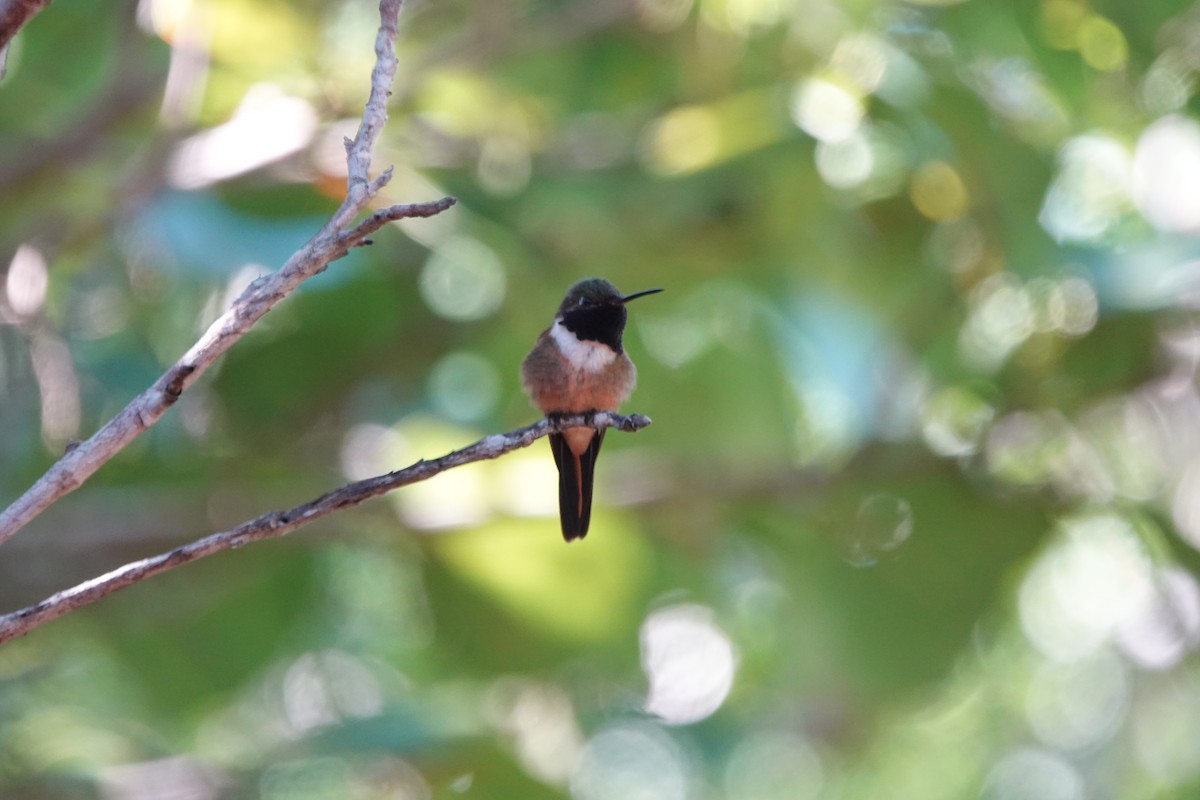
573	592
453	499
526	483
692	138
57	737
918	517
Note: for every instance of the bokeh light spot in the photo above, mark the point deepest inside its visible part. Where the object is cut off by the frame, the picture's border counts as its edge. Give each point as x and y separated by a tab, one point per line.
1165	625
320	689
689	663
267	126
1077	593
958	245
1091	190
453	499
846	163
862	59
1102	44
825	110
26	282
1060	22
541	720
505	165
1073	307
464	387
1021	96
631	761
684	140
1029	773
1001	319
521	481
58	384
463	280
368	450
938	191
1168	83
954	421
1078	704
1166	174
1029	449
675	339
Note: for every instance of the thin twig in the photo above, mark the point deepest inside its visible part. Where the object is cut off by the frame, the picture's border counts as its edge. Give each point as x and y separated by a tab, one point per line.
278	523
330	243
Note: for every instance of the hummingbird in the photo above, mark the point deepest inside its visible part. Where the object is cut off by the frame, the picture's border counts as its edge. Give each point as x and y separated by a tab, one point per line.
579	366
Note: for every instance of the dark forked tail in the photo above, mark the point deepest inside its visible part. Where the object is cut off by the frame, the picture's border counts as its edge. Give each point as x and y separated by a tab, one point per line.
575	475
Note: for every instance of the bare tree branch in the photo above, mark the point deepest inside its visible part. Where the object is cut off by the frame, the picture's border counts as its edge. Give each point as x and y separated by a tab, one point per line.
278	523
330	243
14	14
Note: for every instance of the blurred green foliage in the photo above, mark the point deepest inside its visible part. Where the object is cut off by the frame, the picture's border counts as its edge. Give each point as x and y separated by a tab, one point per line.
917	517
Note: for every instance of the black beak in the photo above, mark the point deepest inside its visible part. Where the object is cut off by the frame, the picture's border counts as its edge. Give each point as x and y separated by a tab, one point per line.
636	295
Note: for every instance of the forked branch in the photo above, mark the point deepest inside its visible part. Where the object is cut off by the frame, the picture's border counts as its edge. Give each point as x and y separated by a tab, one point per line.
332	242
